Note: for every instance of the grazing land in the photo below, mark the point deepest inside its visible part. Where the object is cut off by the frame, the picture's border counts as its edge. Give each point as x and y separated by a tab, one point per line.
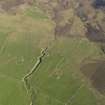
52	52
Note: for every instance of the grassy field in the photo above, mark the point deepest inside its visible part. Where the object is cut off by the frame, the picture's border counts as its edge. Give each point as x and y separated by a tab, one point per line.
21	39
58	80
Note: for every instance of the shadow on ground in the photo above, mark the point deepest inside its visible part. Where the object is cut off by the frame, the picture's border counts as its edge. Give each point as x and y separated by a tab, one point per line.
95	34
94	70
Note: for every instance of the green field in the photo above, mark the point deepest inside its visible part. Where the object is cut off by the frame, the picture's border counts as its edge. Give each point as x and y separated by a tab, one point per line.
21	39
58	80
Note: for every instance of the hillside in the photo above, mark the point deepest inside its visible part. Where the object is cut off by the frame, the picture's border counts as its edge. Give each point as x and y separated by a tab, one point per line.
52	52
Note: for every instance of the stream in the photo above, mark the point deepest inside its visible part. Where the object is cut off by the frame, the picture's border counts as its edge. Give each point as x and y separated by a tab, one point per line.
30	73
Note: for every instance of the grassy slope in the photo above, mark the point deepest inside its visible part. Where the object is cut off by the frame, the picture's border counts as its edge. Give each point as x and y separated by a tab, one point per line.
58	79
21	39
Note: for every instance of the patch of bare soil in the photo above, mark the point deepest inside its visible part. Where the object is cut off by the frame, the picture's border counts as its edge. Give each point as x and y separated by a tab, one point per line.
95	72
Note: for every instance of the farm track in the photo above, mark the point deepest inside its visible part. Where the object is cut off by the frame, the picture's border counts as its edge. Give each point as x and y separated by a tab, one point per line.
30	73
